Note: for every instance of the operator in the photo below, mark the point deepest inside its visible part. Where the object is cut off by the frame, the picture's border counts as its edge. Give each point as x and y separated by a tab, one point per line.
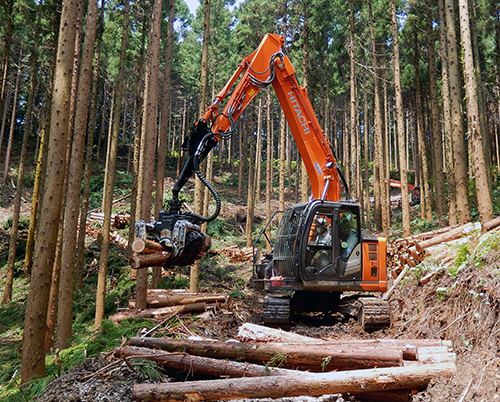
348	233
323	237
322	234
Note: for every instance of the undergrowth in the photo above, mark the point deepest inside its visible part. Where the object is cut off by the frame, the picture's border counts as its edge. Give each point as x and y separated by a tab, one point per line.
86	341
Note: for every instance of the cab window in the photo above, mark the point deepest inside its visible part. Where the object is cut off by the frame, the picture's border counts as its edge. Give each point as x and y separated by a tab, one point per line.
348	231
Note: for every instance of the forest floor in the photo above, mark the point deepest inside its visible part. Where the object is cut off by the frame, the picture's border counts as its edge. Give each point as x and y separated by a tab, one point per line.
463	308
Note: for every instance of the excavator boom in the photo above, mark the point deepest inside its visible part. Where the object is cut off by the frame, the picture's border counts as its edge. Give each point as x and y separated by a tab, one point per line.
269	64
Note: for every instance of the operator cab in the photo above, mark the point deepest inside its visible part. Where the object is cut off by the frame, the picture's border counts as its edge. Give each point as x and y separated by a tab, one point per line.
320	246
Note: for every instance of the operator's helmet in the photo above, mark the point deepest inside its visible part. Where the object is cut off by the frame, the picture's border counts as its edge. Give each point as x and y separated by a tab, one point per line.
321	225
321	221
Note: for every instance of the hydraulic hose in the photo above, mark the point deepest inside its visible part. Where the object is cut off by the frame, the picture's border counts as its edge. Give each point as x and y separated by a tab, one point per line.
196	166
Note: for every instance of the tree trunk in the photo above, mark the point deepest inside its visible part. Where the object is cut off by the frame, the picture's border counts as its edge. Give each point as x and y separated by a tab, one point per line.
437	147
33	355
198	191
250	193
3	122
386	161
165	109
22	163
258	155
7	42
80	259
485	134
38	186
148	136
110	173
71	212
445	93
159	313
400	125
377	128
459	150
137	143
366	154
12	122
480	173
304	177
355	155
9	280
425	196
202	365
241	160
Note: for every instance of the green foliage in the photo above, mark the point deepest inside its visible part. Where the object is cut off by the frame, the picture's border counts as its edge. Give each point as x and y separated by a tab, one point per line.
468	254
278	360
420	225
24	223
461	258
175	281
496	200
219	227
441	292
147	368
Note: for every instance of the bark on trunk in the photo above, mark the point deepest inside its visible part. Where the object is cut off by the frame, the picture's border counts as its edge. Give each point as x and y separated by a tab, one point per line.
110	174
148	136
359	381
318	358
33	355
459	150
163	313
481	174
403	169
203	365
69	237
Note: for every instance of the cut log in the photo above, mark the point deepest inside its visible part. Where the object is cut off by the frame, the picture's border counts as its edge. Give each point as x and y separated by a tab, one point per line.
146	246
302	356
170	292
260	333
426	278
427	235
396	283
173	300
353	381
453	234
490	225
149	260
153	302
435	354
158	313
203	365
280	336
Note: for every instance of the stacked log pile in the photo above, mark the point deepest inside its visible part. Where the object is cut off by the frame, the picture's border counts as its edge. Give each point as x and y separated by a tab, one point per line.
235	254
163	304
437	244
278	364
118	221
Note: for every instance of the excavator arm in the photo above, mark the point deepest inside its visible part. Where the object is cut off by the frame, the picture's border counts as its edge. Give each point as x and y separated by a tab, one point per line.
268	64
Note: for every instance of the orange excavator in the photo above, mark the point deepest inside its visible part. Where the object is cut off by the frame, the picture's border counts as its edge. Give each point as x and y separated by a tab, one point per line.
320	251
